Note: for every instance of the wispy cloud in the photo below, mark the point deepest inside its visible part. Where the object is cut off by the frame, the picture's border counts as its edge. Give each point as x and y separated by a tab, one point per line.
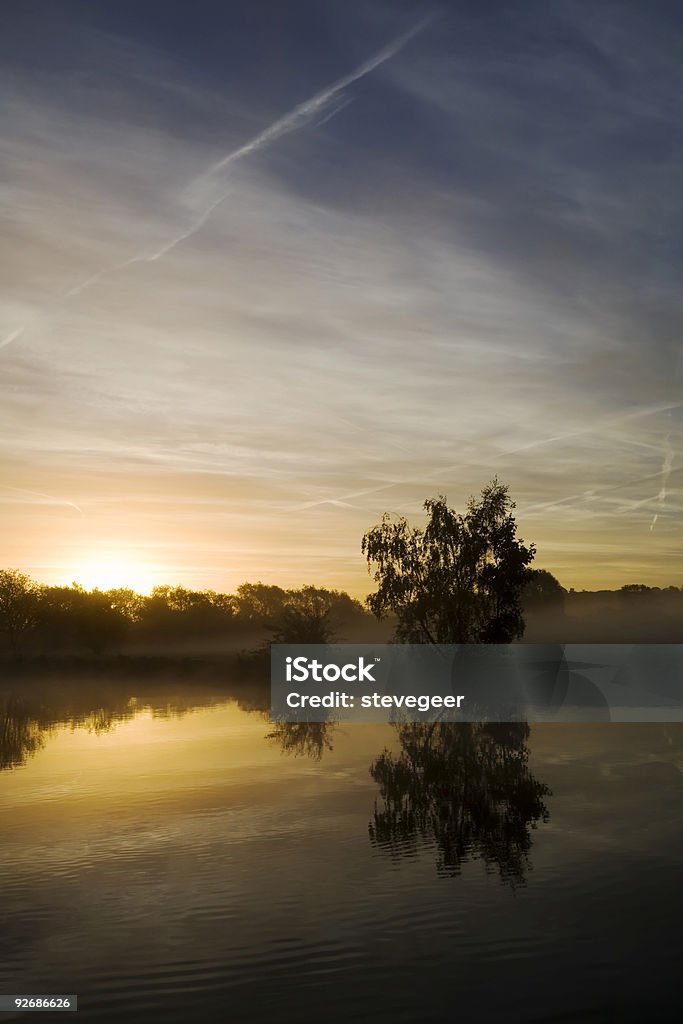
450	282
318	109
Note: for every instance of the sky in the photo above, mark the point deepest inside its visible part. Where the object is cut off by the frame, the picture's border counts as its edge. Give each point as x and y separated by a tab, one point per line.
271	270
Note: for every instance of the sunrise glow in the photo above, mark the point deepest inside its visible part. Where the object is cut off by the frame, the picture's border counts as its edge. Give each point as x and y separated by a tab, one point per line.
109	569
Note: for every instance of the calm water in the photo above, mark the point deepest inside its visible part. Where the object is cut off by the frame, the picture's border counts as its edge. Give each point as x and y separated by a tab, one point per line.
167	861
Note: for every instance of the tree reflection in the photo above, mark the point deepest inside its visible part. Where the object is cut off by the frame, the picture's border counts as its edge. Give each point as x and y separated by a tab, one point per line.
21	735
467	788
30	715
303	739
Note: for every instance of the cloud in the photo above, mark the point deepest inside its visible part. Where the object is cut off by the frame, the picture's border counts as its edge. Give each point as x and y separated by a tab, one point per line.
318	109
439	286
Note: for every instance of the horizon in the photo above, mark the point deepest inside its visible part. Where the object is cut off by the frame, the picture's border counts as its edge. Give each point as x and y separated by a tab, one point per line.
91	586
277	272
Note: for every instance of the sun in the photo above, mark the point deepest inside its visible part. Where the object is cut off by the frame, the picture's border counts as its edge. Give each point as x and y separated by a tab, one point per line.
108	570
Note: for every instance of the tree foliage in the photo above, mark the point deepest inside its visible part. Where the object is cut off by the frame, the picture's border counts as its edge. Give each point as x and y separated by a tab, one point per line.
75	617
305	617
259	602
69	620
458	580
543	590
313	615
18	608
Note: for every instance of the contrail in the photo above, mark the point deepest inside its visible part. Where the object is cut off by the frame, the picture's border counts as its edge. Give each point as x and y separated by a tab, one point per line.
665	472
595	428
151	257
597	495
468	463
12	336
322	106
336	109
301	115
341	499
51	499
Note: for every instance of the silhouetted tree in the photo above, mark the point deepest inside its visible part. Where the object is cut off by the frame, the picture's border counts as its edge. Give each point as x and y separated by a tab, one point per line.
305	617
543	590
467	788
19	602
259	603
73	617
126	601
460	579
178	614
57	629
99	625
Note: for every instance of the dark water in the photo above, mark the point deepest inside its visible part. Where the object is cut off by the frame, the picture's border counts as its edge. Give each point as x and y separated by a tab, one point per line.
166	860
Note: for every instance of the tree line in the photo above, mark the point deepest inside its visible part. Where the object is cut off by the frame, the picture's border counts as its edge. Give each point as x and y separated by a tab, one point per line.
40	619
461	578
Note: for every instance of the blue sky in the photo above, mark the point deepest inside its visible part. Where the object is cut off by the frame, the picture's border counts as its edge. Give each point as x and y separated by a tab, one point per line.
273	269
